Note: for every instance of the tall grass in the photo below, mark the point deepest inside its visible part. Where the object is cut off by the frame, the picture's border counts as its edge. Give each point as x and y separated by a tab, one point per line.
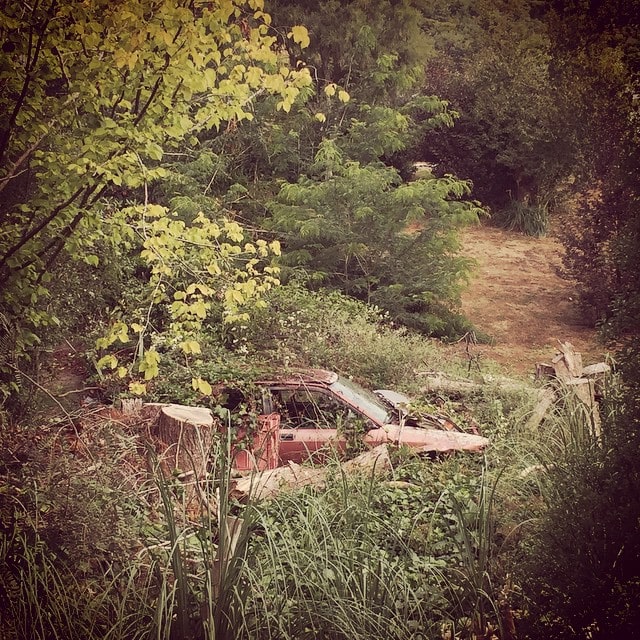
578	563
530	219
471	582
368	557
44	599
318	570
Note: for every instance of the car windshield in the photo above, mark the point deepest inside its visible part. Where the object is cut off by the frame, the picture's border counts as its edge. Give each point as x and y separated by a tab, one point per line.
363	399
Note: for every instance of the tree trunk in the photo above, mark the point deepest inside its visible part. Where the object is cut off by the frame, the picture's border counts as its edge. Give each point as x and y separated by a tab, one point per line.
184	437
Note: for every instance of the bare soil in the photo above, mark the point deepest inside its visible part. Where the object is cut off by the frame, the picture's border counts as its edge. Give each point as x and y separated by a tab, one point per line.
518	298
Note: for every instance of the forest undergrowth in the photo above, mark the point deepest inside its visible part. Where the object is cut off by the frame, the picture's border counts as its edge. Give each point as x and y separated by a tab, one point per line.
97	542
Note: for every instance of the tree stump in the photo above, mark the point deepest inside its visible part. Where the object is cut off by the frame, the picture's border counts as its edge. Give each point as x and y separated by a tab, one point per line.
184	437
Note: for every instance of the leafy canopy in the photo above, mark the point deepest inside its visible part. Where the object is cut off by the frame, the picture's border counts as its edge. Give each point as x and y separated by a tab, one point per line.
96	93
360	229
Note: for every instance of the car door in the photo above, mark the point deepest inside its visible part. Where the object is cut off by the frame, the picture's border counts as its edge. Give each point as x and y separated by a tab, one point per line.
309	422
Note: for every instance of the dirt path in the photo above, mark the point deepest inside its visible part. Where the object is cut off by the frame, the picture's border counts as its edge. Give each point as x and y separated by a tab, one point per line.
516	297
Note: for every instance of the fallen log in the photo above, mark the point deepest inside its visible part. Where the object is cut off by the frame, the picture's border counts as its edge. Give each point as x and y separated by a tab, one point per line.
546	398
376	460
268	484
438	382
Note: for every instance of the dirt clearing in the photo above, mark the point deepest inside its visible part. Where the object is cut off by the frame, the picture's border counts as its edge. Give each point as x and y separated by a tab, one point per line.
517	297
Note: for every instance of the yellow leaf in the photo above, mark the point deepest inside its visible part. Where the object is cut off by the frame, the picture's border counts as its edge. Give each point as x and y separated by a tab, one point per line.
275	247
300	35
343	96
320	117
149	364
202	386
107	362
137	388
330	89
122	372
190	346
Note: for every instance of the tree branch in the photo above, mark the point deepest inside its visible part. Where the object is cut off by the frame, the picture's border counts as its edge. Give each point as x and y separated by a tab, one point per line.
28	235
29	66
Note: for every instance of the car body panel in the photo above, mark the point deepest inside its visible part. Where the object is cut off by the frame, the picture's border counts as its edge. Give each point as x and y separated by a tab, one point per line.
315	406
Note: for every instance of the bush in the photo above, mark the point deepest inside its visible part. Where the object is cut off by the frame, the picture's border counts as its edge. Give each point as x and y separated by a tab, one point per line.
327	329
530	219
71	514
581	575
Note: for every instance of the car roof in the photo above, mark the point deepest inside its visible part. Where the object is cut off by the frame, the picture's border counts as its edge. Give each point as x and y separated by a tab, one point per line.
301	377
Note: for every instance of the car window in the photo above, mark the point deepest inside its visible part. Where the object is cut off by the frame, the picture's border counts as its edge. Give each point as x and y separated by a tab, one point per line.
363	400
309	408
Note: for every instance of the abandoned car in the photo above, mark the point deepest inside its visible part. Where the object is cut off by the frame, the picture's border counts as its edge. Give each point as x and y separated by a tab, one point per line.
306	412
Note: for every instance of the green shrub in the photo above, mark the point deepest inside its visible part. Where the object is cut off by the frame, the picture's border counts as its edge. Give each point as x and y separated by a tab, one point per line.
581	573
530	219
329	330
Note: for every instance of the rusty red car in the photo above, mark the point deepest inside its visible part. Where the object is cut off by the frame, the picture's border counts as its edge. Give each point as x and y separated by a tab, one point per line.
308	411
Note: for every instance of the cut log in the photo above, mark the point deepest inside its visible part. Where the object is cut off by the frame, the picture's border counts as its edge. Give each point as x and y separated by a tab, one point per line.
231	529
440	383
596	370
437	382
268	484
184	436
375	460
546	398
572	359
584	390
151	410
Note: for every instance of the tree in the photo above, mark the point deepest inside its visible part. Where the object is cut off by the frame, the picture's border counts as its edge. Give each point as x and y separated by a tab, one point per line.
598	61
372	50
493	67
95	93
363	117
360	229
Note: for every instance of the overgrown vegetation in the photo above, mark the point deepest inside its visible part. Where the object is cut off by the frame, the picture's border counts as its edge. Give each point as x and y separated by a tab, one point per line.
460	544
192	194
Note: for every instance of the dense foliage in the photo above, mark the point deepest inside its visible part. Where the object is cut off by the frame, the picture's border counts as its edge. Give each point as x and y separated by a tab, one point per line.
96	94
599	47
192	193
